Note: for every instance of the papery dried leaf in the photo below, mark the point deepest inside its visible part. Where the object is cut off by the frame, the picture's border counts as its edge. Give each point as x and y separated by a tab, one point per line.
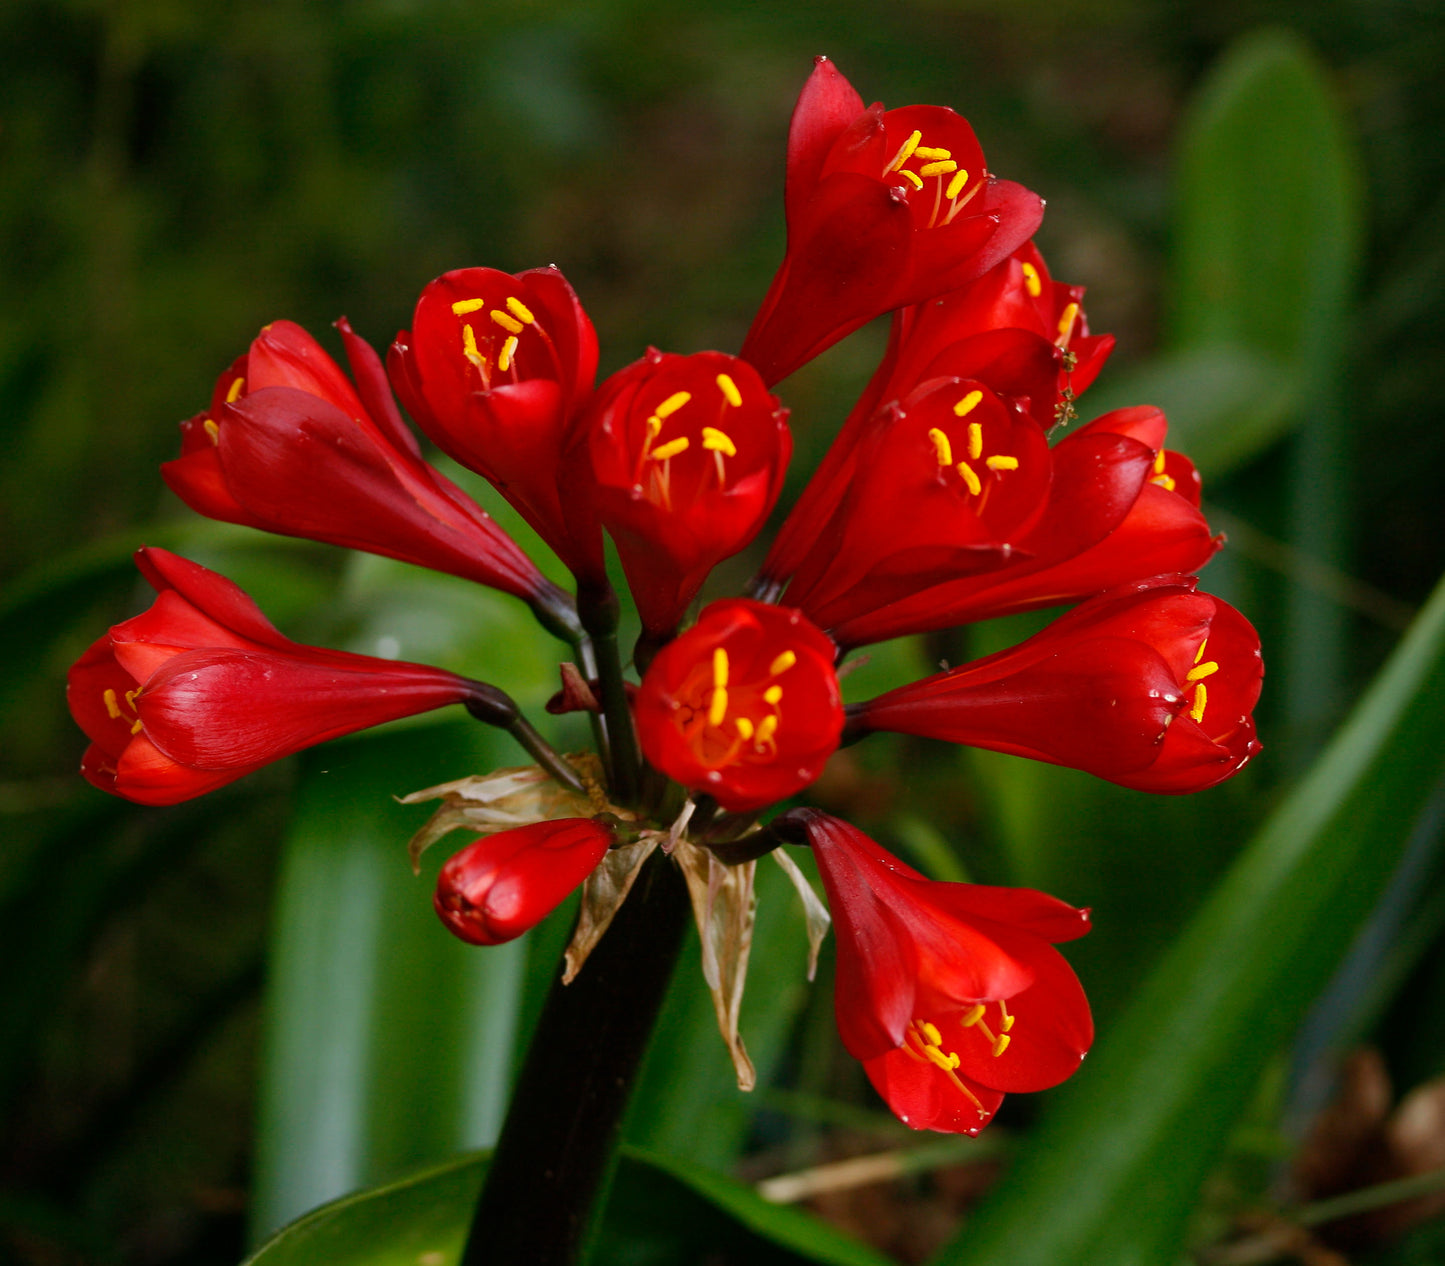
724	904
603	893
814	911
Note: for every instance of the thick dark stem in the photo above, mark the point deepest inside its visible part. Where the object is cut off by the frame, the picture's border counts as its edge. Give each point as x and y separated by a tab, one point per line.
552	1165
496	707
598	609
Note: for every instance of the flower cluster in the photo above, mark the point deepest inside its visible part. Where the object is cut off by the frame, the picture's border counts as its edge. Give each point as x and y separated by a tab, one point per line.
946	497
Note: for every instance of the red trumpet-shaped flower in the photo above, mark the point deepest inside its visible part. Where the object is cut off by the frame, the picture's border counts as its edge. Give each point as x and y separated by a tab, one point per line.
1120	506
884	209
942	485
201	689
501	885
684	458
494	369
950	994
290	446
744	705
1150	686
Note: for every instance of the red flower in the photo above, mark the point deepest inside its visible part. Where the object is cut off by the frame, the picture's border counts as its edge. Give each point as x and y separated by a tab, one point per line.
494	369
1150	686
883	210
501	885
941	486
290	446
1121	506
684	458
950	994
201	689
744	705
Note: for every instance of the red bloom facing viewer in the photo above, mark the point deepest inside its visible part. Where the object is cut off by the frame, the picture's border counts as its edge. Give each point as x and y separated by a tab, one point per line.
201	689
1150	686
743	706
501	885
951	995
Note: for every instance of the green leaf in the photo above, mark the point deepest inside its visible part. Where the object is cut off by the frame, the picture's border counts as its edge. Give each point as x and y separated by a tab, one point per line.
1112	1173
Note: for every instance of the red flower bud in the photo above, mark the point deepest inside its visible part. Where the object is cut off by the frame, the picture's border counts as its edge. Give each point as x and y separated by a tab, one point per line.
501	885
744	705
201	689
884	209
951	994
290	446
494	369
1150	686
686	457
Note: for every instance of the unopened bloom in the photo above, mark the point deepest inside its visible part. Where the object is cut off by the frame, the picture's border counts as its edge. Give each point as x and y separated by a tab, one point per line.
682	457
289	445
950	994
501	885
743	706
201	689
494	369
1150	686
884	209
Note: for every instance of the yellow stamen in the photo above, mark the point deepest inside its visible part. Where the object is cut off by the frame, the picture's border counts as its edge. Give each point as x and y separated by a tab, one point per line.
462	306
718	442
138	726
730	389
718	708
968	404
672	404
1203	671
767	727
975	440
469	346
1001	461
130	698
1000	1044
939	1058
671	449
941	446
233	392
935	1038
928	152
975	485
906	152
654	425
212	430
1201	697
955	186
508	323
719	668
509	349
1066	322
519	310
938	169
1032	282
745	728
772	695
1199	654
110	705
915	181
783	662
1008	1020
972	1017
1159	462
1164	481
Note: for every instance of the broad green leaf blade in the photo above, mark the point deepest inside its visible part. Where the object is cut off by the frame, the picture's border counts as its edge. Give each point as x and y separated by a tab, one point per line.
1112	1173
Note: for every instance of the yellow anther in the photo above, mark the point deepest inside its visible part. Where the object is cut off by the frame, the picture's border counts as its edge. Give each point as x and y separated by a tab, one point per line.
718	708
233	392
1000	1044
110	705
130	698
906	152
469	346
1033	283
1066	322
1199	654
730	389
1008	1020
138	726
654	425
968	404
941	446
914	180
938	1057
718	442
671	449
508	323
1001	461
1159	462
520	310
462	306
975	485
745	728
772	695
975	440
1164	481
930	152
212	430
767	727
973	1016
935	1038
673	403
719	668
955	186
1203	671
1201	697
784	661
509	349
938	169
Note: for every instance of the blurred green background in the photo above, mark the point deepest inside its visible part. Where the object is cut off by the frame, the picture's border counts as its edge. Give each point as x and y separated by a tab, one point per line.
219	1015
